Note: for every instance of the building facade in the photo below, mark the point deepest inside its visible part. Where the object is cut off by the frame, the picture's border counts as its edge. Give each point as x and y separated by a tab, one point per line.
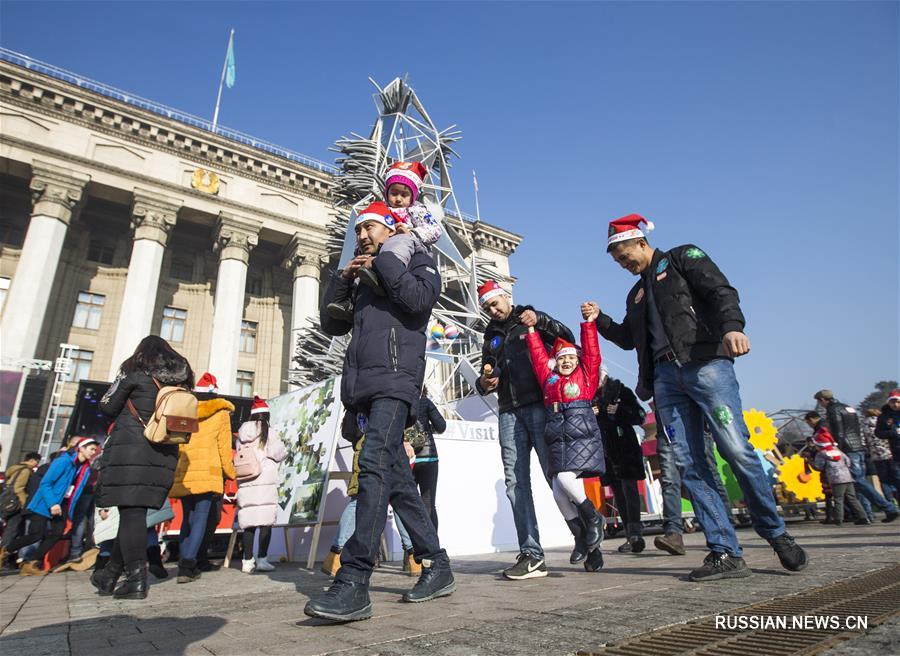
119	219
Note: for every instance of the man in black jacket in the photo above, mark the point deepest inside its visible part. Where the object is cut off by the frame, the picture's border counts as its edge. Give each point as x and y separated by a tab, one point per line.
843	422
507	371
685	321
383	373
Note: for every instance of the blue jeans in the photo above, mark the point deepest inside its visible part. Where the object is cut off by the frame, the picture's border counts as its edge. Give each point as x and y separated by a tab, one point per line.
195	510
385	477
867	494
522	429
685	397
889	474
80	519
347	525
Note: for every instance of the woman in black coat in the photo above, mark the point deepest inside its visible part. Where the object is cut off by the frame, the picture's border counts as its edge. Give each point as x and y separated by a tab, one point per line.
135	474
618	412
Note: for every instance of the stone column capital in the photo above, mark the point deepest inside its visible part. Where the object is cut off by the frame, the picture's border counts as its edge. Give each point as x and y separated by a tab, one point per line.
303	256
235	237
55	191
153	216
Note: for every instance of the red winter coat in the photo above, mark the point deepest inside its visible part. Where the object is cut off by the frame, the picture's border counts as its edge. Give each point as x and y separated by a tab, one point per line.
572	435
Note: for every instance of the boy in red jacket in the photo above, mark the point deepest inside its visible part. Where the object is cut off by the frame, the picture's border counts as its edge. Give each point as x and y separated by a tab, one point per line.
573	438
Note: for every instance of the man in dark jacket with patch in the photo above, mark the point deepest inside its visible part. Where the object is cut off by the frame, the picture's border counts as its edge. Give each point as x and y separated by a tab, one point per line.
685	321
383	373
507	371
843	422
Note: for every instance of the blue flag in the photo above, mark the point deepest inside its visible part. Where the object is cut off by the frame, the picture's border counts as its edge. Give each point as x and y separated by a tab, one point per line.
229	64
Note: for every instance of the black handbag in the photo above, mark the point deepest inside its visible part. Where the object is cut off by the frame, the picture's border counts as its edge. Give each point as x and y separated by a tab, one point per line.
9	500
416	437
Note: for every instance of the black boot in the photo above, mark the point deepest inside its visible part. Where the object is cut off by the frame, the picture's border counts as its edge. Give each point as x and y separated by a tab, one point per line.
100	563
593	528
580	551
105	579
187	571
134	585
154	558
435	582
594	561
370	278
344	601
340	311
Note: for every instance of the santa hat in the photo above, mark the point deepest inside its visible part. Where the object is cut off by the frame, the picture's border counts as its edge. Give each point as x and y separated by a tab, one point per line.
207	383
489	290
86	441
259	406
627	227
561	347
895	394
821	441
379	212
411	174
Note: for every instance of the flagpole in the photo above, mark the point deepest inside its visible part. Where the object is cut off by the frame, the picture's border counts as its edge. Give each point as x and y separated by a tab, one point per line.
222	83
477	209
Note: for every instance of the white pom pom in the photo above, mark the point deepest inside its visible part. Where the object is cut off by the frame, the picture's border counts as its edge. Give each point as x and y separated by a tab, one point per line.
551	364
649	226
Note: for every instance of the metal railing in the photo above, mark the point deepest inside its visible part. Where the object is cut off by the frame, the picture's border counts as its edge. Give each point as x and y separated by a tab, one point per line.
182	117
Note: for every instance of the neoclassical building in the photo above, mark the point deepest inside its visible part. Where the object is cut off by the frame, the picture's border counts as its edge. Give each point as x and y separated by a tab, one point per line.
121	218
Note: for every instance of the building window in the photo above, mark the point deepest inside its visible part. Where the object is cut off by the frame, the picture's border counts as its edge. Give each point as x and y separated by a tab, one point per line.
254	285
80	368
244	383
172	328
12	235
181	269
4	290
88	311
248	337
101	251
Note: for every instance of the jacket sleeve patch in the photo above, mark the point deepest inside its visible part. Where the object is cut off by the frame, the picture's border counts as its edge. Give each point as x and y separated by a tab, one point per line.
694	253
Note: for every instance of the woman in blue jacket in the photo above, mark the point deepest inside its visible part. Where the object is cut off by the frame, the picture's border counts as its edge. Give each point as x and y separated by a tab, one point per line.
70	470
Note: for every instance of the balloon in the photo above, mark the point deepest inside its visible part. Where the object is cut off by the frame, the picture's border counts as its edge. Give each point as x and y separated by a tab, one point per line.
451	332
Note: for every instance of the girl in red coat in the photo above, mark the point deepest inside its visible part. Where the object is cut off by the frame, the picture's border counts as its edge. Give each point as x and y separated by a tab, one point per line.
573	437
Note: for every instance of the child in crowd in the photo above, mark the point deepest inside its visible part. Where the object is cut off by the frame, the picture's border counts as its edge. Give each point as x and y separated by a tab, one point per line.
416	229
835	467
573	438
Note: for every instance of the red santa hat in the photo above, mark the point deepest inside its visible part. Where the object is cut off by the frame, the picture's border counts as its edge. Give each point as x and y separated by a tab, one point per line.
259	406
379	212
411	174
822	441
895	394
85	441
207	383
489	290
628	227
561	347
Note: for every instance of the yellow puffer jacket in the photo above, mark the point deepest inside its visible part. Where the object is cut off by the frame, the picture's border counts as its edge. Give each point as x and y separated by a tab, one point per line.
207	458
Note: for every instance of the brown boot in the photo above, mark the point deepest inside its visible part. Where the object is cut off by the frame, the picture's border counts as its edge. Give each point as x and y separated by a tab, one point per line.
671	543
31	568
410	566
332	563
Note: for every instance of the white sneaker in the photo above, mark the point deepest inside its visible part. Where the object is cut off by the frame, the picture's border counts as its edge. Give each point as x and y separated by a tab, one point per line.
248	566
263	565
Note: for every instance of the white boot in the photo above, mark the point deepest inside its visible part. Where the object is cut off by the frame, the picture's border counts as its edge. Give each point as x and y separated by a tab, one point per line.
263	565
248	566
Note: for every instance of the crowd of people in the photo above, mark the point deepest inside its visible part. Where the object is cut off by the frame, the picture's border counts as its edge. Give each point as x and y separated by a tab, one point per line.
682	317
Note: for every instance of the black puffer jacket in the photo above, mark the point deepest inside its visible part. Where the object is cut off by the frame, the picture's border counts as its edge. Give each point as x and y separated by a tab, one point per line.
888	428
624	458
133	471
386	354
696	304
843	422
505	348
431	421
573	440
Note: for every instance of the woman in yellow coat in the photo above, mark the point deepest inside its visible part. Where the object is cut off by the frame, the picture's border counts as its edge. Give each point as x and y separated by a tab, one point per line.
203	464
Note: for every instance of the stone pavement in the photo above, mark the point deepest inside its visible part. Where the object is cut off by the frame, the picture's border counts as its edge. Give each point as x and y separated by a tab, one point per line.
230	613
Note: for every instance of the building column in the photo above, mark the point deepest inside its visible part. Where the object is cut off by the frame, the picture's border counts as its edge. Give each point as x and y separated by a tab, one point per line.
235	238
56	196
152	219
303	260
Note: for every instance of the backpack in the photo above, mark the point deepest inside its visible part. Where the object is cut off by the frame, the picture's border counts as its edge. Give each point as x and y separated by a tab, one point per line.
9	500
174	418
246	464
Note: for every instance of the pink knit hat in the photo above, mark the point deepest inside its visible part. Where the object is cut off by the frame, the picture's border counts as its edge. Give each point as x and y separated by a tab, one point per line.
411	174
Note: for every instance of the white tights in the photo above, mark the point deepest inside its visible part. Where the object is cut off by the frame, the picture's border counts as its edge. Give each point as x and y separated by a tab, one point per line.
568	491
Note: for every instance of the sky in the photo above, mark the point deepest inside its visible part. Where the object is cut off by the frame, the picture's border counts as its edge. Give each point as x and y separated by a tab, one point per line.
764	132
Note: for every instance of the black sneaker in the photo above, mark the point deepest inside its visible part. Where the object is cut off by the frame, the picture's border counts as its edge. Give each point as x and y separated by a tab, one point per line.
637	544
720	566
433	583
344	601
594	561
342	311
889	517
526	567
863	522
791	555
625	547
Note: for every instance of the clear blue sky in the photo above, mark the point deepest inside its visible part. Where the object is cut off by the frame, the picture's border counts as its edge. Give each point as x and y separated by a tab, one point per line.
765	132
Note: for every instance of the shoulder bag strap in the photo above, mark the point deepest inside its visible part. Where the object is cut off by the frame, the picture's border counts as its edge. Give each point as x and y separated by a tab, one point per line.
135	412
